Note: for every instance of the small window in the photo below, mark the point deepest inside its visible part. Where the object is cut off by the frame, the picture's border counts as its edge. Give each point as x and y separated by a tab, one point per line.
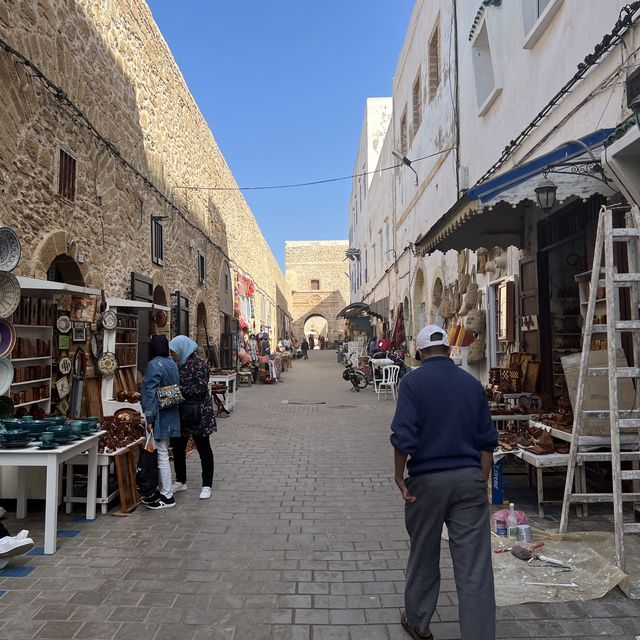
315	285
536	17
434	62
404	140
67	176
202	268
226	282
157	241
416	99
484	74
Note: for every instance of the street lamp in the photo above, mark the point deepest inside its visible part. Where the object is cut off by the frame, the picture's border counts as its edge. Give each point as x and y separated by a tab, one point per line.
405	161
353	254
546	193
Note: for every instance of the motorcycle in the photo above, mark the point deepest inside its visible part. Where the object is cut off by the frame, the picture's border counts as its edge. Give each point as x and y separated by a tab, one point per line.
355	377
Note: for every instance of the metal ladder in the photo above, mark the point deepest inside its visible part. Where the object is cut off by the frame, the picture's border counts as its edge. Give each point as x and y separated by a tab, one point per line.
621	421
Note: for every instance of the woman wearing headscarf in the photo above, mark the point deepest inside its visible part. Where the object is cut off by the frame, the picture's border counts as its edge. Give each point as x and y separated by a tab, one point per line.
165	423
197	416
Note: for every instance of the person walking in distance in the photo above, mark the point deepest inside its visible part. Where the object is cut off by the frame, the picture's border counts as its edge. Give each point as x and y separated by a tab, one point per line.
443	434
197	418
304	347
312	342
161	371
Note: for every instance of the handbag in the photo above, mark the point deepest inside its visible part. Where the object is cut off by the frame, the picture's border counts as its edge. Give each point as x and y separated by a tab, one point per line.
147	469
169	396
190	413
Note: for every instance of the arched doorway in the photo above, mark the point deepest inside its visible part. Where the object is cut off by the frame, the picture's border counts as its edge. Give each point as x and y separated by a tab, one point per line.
65	269
159	296
406	313
316	325
419	305
436	298
202	332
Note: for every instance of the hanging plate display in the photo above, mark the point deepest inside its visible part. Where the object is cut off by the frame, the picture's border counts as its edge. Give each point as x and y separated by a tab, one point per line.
107	364
63	324
7	337
6	375
109	320
9	249
64	366
62	385
9	294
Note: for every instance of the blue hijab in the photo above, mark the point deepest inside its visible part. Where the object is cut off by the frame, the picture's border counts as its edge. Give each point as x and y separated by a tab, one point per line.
184	347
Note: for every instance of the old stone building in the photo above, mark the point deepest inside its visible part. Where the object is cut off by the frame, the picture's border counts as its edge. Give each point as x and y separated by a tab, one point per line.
318	278
99	140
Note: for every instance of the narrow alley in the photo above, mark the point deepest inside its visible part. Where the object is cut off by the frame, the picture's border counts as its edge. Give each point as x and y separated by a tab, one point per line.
303	540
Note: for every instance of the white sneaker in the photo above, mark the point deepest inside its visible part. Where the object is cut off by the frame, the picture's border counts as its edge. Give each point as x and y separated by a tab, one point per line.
205	494
23	535
178	486
14	546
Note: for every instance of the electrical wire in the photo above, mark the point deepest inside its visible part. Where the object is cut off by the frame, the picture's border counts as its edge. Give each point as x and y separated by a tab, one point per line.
315	182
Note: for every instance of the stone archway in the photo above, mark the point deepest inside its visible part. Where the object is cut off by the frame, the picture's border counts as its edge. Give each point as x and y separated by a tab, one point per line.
64	268
159	295
316	325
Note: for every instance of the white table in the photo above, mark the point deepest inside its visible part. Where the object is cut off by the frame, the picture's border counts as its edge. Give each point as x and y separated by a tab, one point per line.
230	381
34	457
105	461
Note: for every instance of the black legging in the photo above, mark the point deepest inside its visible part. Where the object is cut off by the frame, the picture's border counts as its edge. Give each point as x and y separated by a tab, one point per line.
203	445
3	531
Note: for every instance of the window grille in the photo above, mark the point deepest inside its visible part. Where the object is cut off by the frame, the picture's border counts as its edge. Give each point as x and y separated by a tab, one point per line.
157	241
67	176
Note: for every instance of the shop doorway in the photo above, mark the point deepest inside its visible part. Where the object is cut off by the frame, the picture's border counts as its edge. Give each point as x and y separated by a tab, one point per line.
316	326
419	305
66	270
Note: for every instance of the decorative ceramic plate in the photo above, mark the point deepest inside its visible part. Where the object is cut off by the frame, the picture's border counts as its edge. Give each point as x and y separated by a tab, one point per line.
9	294
64	366
63	324
107	364
6	375
62	385
9	249
109	320
161	318
7	337
6	407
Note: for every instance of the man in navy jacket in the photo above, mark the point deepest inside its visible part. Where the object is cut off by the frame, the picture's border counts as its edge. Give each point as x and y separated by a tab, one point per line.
443	434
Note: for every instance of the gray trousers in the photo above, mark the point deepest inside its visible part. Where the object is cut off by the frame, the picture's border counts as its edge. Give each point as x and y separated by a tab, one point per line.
458	498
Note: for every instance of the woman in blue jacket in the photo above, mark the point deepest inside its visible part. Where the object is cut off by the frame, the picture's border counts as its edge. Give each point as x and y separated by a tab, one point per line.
161	371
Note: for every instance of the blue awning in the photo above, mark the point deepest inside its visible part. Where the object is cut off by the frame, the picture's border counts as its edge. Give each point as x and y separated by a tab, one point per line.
490	189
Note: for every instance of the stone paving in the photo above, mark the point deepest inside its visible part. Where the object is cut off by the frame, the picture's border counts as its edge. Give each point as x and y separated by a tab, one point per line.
303	539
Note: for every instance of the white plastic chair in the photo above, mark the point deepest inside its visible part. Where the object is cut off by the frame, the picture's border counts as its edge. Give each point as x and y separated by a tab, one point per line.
389	381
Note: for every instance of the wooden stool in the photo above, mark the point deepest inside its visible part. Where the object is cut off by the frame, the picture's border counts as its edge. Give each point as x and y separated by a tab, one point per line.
245	377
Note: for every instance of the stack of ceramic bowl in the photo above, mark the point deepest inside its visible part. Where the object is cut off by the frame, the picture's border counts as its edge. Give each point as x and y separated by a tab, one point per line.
34	427
15	439
85	425
56	420
11	423
61	433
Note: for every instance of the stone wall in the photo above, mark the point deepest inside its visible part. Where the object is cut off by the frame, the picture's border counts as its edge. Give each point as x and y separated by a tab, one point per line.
323	261
116	72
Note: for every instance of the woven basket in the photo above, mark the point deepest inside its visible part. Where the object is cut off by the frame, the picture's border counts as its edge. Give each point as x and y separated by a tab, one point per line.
510	380
476	320
477	351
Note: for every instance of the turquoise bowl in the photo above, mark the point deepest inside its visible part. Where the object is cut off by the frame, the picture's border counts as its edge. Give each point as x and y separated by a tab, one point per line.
56	420
61	429
15	434
92	419
12	423
85	425
35	427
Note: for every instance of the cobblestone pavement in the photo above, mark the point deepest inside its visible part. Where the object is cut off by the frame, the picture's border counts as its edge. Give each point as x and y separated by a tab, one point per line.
303	540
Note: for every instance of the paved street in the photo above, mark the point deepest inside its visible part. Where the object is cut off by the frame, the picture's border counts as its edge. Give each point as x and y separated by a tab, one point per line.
303	540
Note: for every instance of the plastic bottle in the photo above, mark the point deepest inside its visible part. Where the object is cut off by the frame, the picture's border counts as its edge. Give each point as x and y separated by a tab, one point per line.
512	522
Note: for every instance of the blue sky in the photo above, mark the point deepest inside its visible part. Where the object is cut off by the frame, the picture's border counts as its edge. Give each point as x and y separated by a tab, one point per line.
282	84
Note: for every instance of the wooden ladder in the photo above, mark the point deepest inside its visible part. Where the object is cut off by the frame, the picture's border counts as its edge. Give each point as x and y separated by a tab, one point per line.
621	421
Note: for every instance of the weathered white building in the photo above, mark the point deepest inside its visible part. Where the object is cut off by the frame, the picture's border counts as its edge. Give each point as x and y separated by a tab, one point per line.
489	98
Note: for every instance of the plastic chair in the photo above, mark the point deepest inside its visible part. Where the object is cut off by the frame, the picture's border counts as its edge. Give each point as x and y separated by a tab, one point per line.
389	380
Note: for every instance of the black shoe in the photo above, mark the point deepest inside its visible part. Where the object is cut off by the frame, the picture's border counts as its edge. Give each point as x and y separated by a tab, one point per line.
162	503
152	498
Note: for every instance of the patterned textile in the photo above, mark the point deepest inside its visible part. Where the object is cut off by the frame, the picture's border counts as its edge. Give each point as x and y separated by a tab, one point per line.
194	380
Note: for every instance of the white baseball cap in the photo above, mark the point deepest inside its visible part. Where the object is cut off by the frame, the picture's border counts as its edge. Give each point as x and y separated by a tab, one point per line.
425	337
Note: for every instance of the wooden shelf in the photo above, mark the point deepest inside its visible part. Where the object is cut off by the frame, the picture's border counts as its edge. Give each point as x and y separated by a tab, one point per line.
32	326
21	384
126	366
20	360
26	404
